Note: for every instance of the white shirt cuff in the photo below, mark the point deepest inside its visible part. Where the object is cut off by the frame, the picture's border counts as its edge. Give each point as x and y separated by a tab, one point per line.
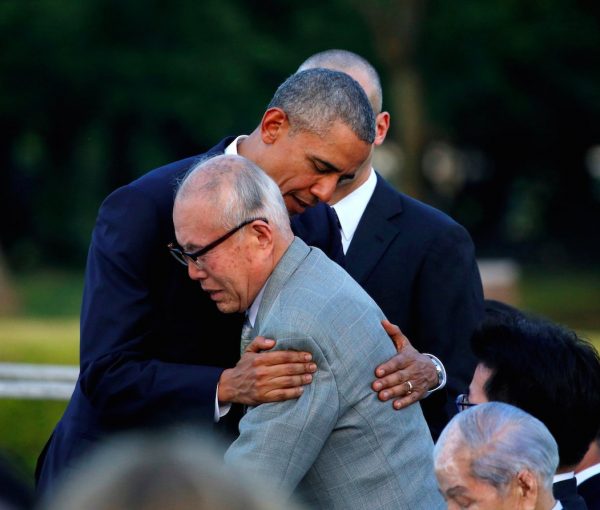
220	409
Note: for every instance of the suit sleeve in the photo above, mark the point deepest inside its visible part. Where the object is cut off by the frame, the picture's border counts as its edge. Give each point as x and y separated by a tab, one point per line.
120	375
450	304
279	442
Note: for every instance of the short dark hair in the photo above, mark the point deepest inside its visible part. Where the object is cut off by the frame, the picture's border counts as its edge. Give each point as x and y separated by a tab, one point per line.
344	60
545	369
316	98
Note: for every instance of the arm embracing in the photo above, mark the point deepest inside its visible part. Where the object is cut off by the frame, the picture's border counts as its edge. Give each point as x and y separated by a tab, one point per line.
447	305
127	372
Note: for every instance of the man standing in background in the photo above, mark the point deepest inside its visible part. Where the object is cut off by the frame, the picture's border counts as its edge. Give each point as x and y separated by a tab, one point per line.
415	261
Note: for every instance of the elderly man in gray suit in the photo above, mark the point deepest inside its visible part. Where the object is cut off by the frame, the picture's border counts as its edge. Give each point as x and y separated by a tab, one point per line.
336	446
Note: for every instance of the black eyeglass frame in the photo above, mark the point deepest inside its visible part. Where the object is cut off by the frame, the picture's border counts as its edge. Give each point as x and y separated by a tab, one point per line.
183	256
462	402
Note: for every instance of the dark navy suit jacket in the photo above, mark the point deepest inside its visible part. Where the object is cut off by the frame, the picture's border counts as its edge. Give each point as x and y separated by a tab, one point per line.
153	345
566	492
589	490
419	265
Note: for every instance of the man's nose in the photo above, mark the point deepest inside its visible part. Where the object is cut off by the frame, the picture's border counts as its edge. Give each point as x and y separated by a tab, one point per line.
195	272
325	187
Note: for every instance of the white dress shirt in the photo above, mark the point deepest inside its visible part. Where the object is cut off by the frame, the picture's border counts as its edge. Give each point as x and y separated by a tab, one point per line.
349	211
231	149
351	208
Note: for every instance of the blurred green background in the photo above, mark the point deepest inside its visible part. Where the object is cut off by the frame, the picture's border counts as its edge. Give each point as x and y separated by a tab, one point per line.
495	119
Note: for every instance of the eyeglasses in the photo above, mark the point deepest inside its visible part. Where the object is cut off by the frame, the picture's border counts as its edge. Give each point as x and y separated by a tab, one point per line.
185	258
462	402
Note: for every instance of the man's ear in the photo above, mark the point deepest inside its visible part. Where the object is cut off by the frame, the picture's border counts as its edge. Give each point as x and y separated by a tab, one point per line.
274	123
263	233
382	124
527	486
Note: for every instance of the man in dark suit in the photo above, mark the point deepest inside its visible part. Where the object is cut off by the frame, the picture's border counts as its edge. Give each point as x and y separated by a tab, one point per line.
415	261
154	350
546	370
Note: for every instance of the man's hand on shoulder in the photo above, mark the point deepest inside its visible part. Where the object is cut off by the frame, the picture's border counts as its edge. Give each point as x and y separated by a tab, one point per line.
261	376
407	377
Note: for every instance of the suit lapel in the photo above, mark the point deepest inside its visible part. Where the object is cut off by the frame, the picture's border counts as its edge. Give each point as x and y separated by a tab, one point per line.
292	258
376	230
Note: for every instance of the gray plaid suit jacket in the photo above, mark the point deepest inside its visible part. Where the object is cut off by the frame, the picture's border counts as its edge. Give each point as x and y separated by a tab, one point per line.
337	446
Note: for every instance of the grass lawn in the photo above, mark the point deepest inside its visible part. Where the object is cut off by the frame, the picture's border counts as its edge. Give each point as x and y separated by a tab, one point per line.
26	424
571	298
40	340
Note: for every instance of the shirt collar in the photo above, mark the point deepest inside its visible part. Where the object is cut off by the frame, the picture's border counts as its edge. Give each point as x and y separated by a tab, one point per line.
563	476
231	149
586	473
252	312
350	208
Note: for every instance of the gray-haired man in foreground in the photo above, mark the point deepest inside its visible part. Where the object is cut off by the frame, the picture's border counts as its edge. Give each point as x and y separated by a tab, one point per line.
336	446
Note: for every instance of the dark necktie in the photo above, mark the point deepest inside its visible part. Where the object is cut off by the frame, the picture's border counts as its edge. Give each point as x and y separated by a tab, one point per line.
566	492
319	226
336	219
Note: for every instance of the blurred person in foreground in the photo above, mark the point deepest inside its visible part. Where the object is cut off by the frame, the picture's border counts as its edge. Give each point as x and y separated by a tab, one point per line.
587	473
336	446
416	262
154	350
173	470
546	370
496	457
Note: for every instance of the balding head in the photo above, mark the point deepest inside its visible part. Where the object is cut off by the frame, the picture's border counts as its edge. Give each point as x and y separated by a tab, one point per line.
232	228
231	189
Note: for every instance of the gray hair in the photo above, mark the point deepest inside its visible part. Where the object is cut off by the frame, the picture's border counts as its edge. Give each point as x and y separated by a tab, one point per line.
176	469
502	440
316	98
234	189
347	61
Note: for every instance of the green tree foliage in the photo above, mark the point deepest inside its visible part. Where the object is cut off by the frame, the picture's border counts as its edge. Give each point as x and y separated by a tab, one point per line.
96	93
519	82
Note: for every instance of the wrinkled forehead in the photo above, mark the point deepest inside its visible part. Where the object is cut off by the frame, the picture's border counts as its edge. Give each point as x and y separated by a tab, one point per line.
192	213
